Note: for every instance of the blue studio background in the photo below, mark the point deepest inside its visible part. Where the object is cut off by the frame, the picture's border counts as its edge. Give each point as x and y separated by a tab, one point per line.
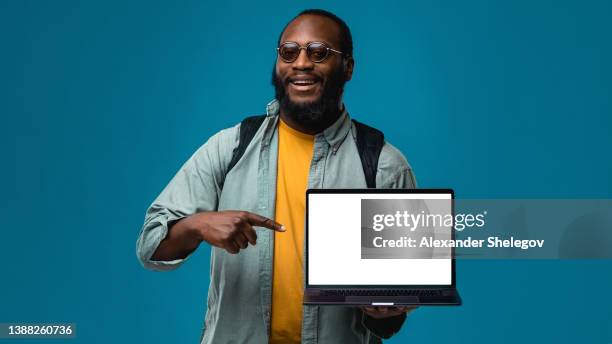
102	102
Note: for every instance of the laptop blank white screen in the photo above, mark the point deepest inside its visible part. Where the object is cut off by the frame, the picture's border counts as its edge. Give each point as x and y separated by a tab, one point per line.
334	246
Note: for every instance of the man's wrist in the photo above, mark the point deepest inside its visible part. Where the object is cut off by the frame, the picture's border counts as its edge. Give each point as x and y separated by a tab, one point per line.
187	229
194	228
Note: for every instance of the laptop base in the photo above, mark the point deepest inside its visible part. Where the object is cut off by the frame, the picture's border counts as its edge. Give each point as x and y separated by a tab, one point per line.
446	297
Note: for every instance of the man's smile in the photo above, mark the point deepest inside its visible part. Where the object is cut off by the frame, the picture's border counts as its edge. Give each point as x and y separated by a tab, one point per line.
304	83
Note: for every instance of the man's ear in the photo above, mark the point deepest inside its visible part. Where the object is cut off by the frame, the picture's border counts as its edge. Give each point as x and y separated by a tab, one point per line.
347	65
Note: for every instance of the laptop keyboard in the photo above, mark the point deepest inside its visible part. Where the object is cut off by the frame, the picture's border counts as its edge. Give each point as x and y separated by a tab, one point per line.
382	292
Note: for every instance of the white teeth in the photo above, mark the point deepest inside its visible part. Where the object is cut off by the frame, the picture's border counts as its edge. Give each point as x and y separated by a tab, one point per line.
302	82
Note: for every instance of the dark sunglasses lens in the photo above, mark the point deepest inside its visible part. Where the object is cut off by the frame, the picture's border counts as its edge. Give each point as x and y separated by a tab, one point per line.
317	52
289	51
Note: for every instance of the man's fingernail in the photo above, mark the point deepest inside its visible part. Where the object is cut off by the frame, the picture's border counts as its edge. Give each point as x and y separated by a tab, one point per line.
282	229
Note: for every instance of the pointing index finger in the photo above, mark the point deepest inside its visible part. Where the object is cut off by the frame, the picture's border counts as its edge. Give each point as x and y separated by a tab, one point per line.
262	221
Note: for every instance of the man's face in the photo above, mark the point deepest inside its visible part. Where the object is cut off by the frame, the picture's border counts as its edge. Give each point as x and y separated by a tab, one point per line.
312	101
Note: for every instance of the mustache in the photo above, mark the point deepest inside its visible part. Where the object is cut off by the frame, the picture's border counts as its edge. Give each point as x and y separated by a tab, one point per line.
332	86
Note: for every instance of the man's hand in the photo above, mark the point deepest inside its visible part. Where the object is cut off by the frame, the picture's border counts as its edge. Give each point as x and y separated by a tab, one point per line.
231	230
381	312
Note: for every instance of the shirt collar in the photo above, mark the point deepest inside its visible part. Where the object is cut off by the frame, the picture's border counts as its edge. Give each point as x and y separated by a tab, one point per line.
334	134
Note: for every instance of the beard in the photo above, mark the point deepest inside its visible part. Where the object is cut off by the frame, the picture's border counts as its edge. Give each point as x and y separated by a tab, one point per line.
315	114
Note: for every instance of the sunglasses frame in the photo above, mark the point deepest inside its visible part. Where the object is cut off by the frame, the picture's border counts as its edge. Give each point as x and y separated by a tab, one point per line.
305	47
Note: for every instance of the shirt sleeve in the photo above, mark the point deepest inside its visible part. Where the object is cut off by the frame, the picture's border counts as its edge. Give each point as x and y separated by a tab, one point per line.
194	188
393	172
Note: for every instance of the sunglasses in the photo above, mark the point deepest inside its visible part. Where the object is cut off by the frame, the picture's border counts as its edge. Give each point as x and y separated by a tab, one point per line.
316	51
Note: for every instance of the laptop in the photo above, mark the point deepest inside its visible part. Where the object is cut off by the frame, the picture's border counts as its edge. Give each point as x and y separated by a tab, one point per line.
375	247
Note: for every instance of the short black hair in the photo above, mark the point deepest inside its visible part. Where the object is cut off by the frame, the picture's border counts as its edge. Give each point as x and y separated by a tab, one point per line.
346	39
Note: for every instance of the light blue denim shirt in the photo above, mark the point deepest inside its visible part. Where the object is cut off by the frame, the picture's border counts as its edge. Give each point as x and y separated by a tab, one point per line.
240	290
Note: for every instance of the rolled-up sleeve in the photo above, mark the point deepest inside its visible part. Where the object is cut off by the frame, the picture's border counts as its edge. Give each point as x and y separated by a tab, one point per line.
195	188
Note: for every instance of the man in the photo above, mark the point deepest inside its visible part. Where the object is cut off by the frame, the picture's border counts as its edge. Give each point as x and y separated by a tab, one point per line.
253	214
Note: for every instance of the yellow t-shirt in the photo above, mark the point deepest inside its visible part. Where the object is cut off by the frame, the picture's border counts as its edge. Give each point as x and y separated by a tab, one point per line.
295	151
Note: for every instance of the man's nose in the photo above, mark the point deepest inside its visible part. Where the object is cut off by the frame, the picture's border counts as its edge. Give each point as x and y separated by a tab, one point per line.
303	62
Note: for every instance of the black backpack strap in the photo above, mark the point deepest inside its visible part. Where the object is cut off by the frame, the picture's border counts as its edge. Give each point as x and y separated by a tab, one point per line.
248	128
369	144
